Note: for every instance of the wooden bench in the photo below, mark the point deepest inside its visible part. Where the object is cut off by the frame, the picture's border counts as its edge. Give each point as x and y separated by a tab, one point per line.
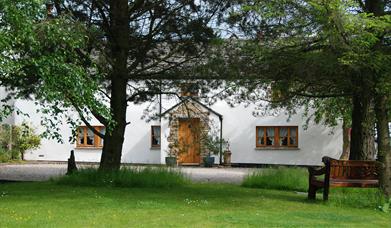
342	173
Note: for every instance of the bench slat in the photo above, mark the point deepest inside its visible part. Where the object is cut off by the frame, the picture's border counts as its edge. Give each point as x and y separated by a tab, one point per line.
354	183
342	173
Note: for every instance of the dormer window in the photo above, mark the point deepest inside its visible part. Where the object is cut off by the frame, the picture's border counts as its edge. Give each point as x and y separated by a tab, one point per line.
189	90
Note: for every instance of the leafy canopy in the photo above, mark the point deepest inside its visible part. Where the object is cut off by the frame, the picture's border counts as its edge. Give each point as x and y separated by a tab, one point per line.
40	59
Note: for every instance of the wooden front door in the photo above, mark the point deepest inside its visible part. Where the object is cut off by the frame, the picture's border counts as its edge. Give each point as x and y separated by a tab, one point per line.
189	144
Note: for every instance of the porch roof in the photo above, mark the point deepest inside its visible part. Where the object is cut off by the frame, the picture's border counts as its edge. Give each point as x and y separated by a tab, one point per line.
196	101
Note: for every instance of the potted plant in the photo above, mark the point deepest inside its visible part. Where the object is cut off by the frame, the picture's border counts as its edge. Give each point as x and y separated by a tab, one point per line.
171	159
208	160
212	146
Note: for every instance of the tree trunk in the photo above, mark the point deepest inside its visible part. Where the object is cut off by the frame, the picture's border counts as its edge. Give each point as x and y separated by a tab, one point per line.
375	6
362	138
346	141
114	137
382	111
362	145
118	37
383	142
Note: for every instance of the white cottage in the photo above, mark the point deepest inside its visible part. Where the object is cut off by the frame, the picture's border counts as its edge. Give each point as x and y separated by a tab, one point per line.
252	139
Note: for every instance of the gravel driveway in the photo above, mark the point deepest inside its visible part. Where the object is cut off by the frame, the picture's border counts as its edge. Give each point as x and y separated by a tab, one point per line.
45	171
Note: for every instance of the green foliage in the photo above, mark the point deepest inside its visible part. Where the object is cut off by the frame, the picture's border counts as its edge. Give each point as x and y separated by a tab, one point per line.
306	51
295	179
76	59
5	155
386	206
329	111
26	138
42	58
212	144
125	177
16	140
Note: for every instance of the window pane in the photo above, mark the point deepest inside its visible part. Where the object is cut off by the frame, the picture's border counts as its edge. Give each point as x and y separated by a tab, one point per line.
293	132
81	136
270	136
283	136
156	130
292	141
293	136
261	134
155	135
90	137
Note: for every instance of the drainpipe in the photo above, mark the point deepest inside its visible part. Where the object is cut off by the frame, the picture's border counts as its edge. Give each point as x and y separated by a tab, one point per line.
221	139
160	101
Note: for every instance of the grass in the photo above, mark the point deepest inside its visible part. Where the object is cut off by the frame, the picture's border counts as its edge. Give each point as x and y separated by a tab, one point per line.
126	177
194	205
282	178
296	179
142	198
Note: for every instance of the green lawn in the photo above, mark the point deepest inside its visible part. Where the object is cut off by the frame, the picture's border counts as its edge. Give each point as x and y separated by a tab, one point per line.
194	205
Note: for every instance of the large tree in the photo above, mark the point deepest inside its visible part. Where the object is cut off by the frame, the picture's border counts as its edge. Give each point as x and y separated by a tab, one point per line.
123	41
313	52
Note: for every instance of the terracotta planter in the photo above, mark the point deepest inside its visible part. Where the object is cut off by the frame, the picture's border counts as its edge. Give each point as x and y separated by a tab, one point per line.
227	157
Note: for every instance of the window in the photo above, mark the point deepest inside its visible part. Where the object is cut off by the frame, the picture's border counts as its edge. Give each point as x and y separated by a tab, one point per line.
155	136
86	138
283	136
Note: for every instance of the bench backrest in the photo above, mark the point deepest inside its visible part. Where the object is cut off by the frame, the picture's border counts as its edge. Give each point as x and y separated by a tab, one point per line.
363	170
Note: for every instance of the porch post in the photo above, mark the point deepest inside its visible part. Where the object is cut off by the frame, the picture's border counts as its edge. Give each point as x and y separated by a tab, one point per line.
221	139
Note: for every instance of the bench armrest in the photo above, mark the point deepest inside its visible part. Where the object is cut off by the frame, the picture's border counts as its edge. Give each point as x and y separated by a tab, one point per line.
326	159
316	172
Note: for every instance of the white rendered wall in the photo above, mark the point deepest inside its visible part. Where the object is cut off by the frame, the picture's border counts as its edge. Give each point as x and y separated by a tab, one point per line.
137	145
136	148
50	149
238	127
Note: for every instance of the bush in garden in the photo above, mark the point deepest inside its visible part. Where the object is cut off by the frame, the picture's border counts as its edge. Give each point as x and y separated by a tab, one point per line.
16	140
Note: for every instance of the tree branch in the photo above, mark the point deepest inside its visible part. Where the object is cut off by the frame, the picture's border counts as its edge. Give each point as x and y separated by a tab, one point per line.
85	121
322	95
